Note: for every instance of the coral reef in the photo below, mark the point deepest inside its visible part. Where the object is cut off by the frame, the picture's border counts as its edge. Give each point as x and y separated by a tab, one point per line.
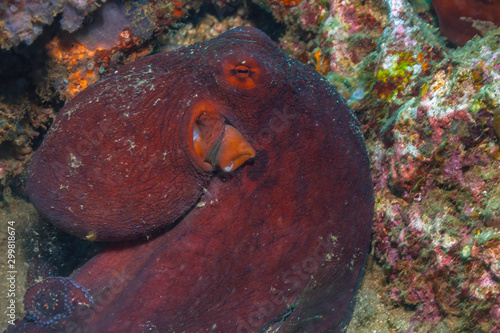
348	36
24	21
281	8
73	67
115	36
429	114
24	216
19	125
437	186
435	158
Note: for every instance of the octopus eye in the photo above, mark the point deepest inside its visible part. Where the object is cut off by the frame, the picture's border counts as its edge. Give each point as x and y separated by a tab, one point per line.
242	74
242	71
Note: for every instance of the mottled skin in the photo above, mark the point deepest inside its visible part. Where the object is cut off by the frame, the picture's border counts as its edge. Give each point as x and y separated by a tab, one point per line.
279	244
456	17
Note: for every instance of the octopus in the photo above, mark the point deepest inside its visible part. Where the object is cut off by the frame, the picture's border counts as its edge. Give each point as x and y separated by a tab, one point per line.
232	184
459	19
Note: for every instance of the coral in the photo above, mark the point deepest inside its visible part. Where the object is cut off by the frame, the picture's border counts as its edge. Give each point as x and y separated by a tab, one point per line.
460	20
409	52
435	159
79	68
496	122
23	21
117	34
208	27
111	20
18	127
286	3
282	8
75	67
429	114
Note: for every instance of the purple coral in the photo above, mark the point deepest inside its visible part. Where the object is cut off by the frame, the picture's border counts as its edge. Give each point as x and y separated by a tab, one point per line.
24	21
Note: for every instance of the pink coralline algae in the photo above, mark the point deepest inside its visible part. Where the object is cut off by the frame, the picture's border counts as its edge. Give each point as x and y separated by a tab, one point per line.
24	21
430	114
428	119
348	34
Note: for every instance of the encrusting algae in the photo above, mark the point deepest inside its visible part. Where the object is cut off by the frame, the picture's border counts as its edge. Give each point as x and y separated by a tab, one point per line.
429	112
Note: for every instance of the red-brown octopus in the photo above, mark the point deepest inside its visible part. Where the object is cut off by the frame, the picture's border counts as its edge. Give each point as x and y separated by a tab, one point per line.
233	182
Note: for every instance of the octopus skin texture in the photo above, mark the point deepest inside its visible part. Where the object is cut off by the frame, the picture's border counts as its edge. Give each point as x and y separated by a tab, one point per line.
232	182
456	17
